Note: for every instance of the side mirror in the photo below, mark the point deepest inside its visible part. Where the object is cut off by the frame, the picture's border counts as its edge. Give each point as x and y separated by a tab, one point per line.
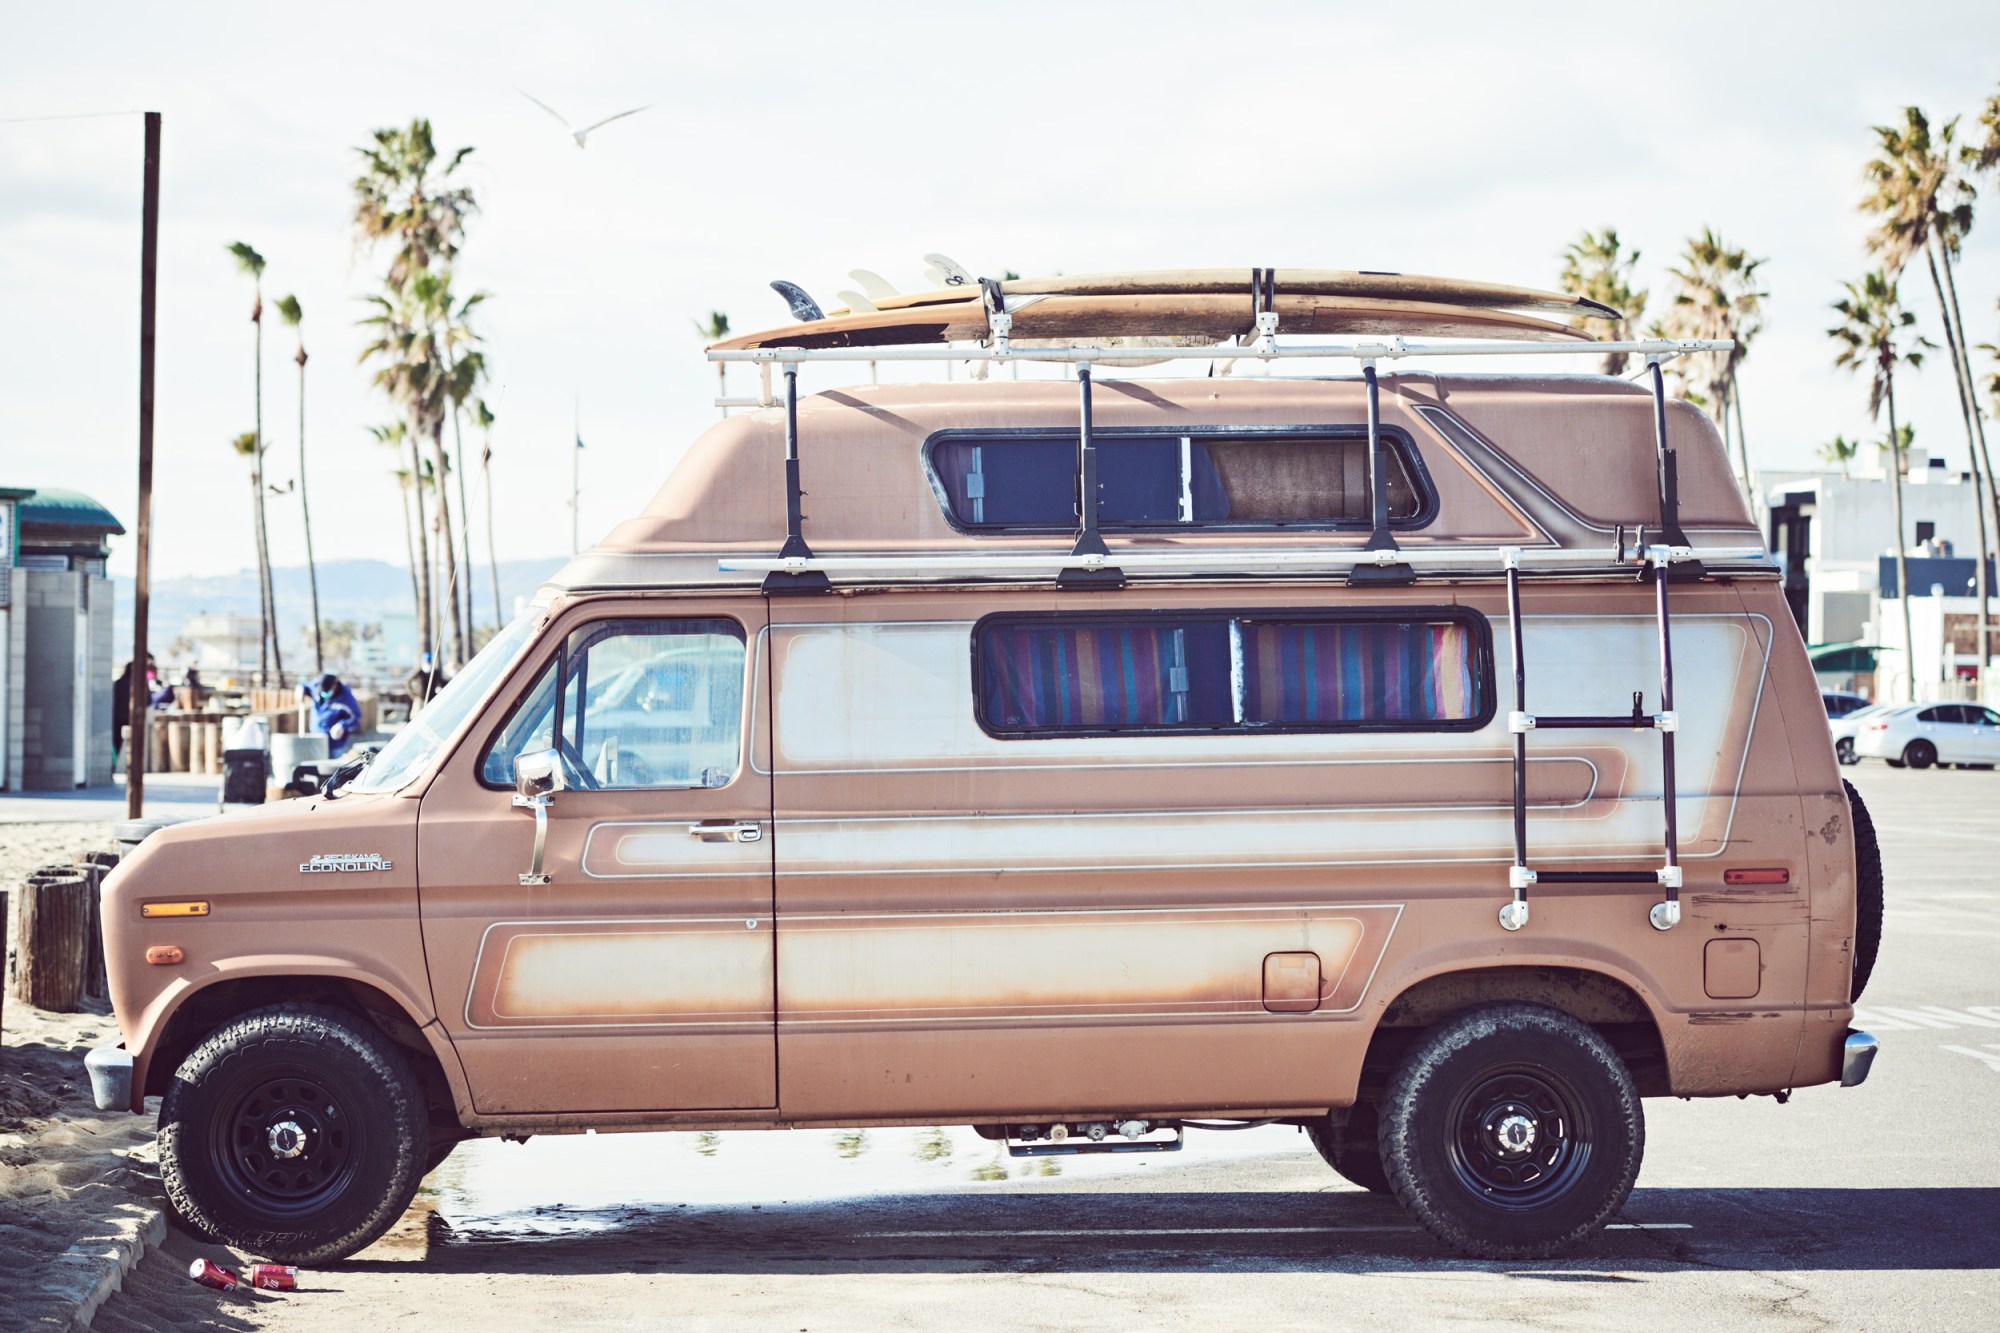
539	774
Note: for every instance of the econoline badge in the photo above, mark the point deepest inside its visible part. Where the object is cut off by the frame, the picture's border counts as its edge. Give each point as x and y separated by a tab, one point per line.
344	862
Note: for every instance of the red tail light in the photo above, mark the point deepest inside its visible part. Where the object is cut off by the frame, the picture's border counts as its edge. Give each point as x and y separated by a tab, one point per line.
1772	875
1876	726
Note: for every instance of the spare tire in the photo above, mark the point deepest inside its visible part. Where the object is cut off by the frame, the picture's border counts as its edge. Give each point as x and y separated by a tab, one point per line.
1867	891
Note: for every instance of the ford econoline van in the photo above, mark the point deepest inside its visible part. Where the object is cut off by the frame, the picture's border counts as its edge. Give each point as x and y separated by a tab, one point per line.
1426	760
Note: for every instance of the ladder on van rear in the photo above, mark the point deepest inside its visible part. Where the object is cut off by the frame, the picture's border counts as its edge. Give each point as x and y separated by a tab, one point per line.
1660	559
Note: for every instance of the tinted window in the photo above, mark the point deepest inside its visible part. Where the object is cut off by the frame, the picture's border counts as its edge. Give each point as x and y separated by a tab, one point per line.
645	703
1167	481
1938	714
1220	671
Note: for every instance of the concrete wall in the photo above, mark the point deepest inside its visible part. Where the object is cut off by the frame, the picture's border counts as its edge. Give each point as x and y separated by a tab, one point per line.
14	643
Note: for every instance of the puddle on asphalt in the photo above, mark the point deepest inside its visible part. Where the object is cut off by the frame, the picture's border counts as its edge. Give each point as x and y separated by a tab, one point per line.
577	1183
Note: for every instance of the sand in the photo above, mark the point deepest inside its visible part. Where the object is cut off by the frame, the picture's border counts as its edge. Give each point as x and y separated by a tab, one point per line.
64	1165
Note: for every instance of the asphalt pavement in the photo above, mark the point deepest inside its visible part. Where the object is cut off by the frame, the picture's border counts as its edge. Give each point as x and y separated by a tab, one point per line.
1868	1208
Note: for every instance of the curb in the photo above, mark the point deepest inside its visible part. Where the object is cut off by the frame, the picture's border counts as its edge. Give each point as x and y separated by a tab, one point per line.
84	1276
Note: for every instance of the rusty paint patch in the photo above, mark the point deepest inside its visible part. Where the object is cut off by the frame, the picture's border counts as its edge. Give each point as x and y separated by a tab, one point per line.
1830	831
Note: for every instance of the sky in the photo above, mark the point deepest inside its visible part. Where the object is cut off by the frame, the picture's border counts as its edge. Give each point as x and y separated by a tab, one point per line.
802	141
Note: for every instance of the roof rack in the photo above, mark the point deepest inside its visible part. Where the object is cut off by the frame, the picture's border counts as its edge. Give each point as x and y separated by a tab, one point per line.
1380	560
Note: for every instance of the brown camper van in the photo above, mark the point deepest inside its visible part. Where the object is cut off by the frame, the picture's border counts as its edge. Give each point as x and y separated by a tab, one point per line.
1428	760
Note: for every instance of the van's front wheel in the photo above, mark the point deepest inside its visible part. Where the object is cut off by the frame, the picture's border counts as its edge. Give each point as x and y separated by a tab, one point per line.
296	1133
1512	1131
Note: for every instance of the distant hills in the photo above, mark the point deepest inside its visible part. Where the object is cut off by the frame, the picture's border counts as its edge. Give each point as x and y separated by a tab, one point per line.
356	590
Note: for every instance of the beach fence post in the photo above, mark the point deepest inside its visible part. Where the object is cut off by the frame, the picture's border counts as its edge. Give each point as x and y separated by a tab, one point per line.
48	937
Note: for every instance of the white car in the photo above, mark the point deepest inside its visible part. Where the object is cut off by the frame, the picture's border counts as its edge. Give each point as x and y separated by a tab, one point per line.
1920	735
1848	725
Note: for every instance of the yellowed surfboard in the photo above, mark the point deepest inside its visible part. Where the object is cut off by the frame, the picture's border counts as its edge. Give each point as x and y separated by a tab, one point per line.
1193	316
1286	281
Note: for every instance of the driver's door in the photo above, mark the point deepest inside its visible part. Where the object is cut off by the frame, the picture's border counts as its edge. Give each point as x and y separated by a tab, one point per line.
640	977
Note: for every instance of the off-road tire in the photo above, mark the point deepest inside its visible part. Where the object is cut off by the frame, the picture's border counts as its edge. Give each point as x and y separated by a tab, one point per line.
371	1134
1844	752
1867	892
1920	754
1354	1150
1439	1100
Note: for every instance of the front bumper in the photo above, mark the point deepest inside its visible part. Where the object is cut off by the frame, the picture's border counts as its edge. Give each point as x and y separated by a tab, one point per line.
110	1077
1856	1057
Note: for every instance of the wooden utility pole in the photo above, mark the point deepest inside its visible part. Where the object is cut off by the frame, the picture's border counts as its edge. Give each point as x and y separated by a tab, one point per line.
149	257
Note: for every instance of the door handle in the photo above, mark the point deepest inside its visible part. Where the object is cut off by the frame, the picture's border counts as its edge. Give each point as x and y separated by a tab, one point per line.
747	832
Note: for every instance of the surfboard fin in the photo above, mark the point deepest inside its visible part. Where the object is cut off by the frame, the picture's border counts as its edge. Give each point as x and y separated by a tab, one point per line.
948	272
804	308
856	303
874	284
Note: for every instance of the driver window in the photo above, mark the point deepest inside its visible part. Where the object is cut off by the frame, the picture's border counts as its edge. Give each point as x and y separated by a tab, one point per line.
645	704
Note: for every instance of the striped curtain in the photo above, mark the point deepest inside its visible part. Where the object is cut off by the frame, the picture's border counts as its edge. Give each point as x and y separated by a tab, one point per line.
1358	671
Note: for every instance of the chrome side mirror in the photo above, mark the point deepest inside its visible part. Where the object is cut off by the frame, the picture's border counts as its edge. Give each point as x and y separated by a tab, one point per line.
538	776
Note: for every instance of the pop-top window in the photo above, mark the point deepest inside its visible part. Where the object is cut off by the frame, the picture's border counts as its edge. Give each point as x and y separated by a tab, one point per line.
1222	671
1207	479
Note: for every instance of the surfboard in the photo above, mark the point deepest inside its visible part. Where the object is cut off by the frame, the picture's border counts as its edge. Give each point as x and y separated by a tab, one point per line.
1288	282
1199	317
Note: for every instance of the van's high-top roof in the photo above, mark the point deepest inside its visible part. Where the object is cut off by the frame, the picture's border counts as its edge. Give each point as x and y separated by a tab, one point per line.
1558	461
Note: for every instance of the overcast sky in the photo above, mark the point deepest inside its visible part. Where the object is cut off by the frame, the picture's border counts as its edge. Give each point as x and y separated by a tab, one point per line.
802	141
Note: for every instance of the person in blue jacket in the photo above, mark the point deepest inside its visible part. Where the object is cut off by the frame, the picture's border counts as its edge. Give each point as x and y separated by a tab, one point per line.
336	712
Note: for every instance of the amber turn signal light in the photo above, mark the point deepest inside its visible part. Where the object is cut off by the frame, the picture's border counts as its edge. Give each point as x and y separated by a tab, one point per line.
174	909
1773	875
164	955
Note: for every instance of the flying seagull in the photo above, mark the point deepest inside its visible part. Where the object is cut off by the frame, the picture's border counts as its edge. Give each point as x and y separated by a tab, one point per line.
575	133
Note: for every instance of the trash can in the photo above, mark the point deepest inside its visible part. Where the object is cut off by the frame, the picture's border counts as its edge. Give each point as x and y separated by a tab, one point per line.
244	775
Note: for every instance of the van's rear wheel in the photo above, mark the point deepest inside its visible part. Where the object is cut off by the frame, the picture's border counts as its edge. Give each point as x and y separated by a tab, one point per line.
1920	754
1353	1148
1867	892
297	1133
1512	1131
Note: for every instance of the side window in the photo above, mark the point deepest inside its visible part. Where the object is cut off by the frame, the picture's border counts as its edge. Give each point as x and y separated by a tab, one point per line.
1217	671
1938	714
1987	717
644	704
1160	482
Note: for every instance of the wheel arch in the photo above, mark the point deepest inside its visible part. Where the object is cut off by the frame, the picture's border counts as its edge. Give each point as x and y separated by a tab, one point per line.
1609	1004
199	1011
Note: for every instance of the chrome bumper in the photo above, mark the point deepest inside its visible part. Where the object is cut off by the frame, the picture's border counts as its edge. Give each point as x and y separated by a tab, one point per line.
1855	1058
110	1077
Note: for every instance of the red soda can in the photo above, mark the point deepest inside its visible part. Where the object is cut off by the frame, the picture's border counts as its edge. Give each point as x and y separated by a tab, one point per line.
274	1277
210	1275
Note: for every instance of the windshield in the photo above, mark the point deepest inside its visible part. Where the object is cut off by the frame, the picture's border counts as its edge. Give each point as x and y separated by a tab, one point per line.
412	749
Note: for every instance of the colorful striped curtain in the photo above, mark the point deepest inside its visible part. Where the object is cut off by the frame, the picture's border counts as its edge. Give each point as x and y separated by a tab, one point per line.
1090	677
1357	671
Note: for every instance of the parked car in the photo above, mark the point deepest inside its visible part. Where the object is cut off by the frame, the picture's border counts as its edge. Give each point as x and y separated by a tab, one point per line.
1841	705
1919	735
1847	725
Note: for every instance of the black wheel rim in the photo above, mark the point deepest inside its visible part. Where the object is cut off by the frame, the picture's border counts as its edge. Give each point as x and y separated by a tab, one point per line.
1520	1137
285	1143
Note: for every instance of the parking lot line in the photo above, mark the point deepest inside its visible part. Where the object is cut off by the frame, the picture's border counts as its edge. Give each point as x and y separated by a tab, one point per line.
1079	1232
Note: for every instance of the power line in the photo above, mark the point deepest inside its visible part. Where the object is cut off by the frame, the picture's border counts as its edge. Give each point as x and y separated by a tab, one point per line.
78	115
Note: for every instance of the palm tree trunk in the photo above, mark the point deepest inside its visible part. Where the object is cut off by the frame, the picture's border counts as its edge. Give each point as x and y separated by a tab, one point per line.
425	644
492	552
464	515
263	587
305	512
1902	559
442	463
1968	406
277	663
1736	409
410	542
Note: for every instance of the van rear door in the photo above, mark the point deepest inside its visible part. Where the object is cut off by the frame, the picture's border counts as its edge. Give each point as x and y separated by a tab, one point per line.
640	976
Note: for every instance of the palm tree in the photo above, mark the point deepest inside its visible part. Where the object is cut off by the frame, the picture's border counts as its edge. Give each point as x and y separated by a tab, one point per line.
1841	452
482	416
713	330
1596	266
1716	297
1985	155
463	372
245	446
1922	204
396	435
293	316
405	195
1873	322
269	654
